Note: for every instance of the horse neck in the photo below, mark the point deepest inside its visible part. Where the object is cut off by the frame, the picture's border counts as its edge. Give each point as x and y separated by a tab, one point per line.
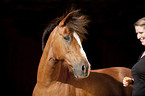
49	69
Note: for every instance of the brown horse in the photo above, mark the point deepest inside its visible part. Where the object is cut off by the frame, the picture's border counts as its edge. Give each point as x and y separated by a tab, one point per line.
64	69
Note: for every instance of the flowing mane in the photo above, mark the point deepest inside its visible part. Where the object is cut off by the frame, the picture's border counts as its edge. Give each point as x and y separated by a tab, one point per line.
76	22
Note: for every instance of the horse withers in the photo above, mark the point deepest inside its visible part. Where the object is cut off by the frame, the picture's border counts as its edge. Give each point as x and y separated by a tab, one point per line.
64	69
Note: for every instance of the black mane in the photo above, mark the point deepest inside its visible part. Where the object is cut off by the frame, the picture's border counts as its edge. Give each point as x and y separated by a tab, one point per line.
76	22
49	29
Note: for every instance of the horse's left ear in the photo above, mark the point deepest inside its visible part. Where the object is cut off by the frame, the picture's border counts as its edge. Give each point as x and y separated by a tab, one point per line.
62	23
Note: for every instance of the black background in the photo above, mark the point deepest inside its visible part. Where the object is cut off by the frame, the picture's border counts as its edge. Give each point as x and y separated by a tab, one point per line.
111	40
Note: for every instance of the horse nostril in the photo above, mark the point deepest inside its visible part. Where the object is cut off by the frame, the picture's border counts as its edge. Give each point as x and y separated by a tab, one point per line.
83	68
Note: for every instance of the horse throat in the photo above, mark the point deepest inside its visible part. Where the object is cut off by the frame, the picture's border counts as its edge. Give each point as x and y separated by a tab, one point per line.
50	69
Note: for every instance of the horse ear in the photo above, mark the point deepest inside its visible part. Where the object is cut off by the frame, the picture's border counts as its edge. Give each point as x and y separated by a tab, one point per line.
62	23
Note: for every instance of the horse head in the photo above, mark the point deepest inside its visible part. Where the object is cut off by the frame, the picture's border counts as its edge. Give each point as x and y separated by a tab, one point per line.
66	43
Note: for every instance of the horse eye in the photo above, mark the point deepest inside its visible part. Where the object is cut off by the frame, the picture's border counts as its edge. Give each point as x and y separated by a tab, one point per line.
67	38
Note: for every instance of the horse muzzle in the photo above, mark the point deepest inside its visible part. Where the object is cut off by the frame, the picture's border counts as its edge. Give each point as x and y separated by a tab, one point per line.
81	70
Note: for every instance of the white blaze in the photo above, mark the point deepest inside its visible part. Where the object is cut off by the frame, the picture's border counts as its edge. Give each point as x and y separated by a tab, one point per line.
79	42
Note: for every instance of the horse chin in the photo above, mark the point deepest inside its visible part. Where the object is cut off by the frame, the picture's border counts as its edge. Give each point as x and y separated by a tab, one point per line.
81	75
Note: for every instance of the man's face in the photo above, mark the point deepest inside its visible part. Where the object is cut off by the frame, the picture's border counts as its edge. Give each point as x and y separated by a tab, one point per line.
140	30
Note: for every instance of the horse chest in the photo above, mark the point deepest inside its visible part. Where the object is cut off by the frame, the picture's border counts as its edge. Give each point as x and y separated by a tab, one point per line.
61	89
